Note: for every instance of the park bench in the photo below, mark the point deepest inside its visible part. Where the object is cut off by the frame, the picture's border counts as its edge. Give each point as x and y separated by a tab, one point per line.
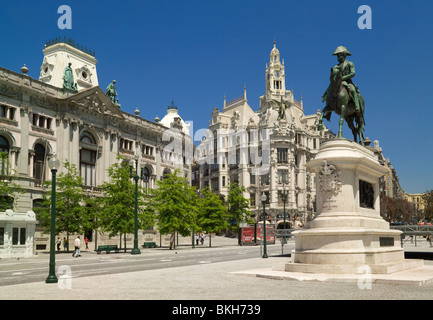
149	245
107	248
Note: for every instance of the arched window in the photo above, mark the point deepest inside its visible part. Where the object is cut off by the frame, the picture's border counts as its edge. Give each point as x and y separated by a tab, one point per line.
88	160
4	148
39	162
165	173
146	178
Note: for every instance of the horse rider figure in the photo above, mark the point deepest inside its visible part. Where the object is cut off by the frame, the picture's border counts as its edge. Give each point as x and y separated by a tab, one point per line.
347	69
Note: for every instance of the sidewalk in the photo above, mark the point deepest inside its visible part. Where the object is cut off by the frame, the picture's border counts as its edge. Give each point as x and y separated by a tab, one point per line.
247	279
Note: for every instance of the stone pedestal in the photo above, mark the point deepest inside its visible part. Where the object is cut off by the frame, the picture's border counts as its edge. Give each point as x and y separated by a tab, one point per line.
348	232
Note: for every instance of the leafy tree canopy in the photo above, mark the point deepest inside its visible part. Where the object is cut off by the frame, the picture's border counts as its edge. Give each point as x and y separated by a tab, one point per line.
175	203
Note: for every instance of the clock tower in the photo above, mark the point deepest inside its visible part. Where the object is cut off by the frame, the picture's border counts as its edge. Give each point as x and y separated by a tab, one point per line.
275	83
275	75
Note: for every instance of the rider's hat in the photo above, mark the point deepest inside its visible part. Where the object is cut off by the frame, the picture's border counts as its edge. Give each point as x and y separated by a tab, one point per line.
341	49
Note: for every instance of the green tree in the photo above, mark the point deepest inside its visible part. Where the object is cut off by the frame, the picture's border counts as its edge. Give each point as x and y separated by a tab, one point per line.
238	207
175	203
117	206
212	213
71	216
8	189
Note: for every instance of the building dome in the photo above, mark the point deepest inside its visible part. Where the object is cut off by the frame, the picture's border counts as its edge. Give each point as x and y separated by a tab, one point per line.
174	121
275	52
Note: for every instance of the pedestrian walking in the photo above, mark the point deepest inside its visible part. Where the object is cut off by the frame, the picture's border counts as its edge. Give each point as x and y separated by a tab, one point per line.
65	244
202	238
86	240
429	239
58	244
77	247
196	239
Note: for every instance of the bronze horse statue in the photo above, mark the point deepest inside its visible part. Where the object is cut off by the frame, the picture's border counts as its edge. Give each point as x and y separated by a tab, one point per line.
339	100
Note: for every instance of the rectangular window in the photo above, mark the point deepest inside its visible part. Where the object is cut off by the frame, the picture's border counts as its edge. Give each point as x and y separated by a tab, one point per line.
282	155
38	121
214	184
88	172
23	236
252	178
252	199
265	179
15	236
3	111
215	145
2	236
11	113
88	156
282	176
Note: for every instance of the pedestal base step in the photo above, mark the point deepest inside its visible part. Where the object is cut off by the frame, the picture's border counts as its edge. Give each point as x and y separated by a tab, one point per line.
384	268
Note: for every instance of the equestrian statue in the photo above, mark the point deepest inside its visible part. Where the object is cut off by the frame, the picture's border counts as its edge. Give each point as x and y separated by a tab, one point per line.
343	97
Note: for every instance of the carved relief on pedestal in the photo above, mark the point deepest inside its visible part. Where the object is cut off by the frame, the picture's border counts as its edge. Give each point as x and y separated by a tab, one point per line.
329	178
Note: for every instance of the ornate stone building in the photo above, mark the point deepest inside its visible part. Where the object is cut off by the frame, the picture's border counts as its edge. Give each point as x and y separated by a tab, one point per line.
264	150
389	184
417	202
80	124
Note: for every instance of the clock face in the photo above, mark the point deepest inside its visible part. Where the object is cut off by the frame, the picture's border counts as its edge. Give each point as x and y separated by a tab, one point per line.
277	74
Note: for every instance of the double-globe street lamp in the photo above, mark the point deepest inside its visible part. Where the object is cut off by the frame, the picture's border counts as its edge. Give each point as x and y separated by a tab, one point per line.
263	199
54	165
136	177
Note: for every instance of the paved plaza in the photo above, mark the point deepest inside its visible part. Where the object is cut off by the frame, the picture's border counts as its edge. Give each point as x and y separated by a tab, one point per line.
248	279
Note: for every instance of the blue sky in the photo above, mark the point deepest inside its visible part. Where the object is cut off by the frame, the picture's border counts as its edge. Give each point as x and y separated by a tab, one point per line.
195	52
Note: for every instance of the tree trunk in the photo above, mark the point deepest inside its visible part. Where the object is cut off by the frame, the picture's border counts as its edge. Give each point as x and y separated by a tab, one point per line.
124	241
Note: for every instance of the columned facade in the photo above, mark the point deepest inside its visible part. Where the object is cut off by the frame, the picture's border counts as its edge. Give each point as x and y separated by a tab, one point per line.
40	118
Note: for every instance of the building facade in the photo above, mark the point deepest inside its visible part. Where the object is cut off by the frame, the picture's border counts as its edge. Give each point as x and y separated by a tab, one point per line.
264	150
389	184
417	201
78	122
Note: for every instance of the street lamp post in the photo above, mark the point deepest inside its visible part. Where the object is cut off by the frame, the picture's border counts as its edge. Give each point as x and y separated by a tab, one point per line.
54	165
284	198
263	199
136	177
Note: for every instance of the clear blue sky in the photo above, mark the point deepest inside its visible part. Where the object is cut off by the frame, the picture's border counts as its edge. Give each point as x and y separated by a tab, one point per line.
194	52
